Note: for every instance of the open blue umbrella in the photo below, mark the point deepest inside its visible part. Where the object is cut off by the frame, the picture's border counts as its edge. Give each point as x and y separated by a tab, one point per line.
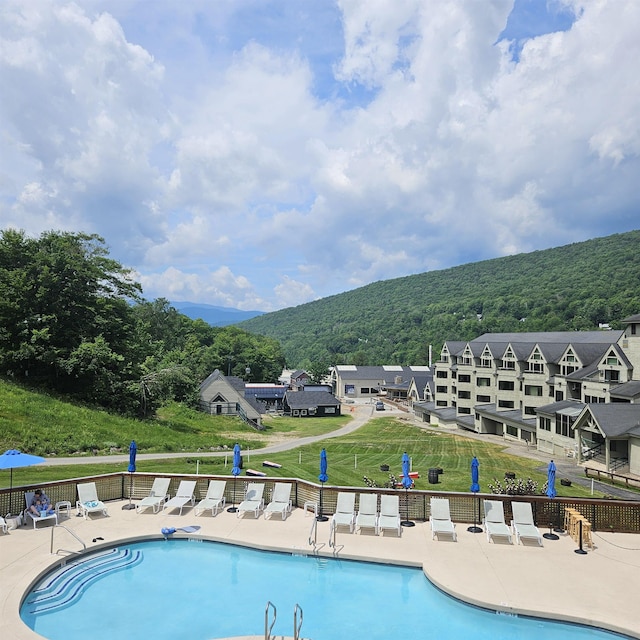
475	487
323	477
407	483
14	459
551	494
235	472
133	451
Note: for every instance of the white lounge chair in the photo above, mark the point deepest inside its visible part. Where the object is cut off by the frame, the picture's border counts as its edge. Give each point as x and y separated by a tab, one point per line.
523	525
88	501
29	515
367	517
494	523
389	518
3	525
214	499
440	519
280	500
183	496
253	500
345	515
158	495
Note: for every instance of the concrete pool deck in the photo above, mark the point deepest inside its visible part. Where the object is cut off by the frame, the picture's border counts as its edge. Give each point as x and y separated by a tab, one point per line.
600	588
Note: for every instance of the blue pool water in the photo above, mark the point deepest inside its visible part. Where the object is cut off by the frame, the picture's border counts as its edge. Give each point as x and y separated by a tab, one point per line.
173	589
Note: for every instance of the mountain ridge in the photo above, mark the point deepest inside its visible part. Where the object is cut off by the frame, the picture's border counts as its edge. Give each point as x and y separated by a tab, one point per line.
572	287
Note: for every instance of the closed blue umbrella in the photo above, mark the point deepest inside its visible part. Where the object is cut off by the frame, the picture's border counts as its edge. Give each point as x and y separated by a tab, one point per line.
475	487
235	472
133	450
551	494
407	483
551	480
14	459
323	477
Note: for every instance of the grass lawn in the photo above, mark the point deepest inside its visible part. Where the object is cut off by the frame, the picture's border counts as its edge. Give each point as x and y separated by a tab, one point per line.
380	441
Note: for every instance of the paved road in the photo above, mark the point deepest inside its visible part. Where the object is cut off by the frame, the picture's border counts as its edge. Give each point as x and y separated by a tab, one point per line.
362	413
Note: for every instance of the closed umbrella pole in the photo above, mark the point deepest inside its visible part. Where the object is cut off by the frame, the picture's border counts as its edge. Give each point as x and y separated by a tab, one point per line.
475	487
407	482
235	472
133	451
323	477
551	494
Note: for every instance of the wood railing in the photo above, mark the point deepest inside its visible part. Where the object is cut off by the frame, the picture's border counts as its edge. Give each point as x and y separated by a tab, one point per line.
603	514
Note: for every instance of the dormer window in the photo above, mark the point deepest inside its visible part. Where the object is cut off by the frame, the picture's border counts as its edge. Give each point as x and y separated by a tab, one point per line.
569	363
535	364
509	359
486	359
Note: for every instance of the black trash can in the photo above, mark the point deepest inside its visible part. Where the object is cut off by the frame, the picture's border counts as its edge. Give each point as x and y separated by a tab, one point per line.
433	476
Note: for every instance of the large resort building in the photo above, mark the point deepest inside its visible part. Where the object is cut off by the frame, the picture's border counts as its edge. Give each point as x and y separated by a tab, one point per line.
574	393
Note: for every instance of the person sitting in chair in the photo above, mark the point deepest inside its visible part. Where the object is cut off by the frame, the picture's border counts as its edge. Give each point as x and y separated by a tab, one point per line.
39	503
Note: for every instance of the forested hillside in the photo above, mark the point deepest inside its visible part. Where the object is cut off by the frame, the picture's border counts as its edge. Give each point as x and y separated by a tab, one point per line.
574	287
73	321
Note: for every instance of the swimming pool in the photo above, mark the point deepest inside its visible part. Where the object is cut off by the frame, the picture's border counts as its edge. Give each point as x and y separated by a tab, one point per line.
172	589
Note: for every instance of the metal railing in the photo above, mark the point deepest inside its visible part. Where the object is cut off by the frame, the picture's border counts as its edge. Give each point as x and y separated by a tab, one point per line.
268	627
313	534
297	625
55	526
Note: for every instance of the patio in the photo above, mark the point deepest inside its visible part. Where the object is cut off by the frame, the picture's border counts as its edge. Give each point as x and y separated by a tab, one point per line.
598	588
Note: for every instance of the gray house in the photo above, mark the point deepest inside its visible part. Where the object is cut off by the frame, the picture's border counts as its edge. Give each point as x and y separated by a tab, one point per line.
299	404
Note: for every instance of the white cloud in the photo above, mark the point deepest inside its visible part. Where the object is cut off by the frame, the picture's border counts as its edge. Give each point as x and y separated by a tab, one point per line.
204	143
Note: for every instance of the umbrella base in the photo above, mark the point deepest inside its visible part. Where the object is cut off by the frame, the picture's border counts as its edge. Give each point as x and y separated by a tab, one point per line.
232	509
550	536
408	523
321	518
128	507
474	529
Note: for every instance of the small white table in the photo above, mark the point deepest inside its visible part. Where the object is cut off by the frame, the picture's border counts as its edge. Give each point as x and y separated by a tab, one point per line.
63	506
310	506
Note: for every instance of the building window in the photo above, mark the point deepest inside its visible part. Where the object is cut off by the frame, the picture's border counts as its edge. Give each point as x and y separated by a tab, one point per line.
506	385
564	425
349	389
545	423
505	404
529	411
364	390
441	389
483	399
464	377
441	373
610	375
441	403
483	382
464	395
532	390
512	431
464	410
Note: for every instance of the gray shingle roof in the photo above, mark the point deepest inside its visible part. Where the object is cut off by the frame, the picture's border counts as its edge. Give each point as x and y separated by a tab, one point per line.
307	399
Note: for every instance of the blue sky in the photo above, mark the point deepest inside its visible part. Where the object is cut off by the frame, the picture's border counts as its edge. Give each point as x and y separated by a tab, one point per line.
260	154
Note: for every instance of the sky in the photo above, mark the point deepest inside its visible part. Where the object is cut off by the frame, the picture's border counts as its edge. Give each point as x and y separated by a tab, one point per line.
260	154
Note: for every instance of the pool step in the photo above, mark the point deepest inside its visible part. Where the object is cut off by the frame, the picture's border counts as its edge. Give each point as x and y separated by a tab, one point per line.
65	585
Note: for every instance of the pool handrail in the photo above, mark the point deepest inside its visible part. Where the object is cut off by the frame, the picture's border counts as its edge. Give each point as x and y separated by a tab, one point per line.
55	526
267	628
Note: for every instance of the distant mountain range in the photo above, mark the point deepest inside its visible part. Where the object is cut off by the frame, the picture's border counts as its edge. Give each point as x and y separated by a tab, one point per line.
215	316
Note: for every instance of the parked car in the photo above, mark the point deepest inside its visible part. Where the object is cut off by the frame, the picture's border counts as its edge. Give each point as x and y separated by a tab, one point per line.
379	405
